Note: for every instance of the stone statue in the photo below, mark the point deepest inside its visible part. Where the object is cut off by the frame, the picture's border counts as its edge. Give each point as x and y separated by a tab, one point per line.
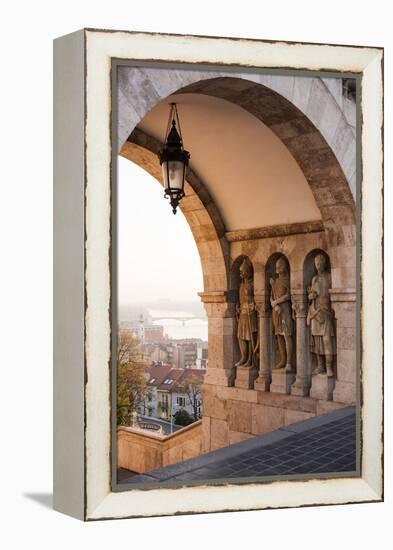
247	320
280	300
320	318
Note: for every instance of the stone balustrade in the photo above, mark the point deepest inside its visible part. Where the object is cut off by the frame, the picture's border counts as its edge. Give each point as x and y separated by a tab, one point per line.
140	451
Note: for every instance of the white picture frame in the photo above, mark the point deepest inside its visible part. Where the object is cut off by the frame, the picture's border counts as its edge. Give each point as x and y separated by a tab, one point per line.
82	179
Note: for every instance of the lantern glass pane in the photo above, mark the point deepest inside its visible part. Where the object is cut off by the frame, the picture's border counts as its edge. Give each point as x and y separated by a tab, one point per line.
175	171
164	167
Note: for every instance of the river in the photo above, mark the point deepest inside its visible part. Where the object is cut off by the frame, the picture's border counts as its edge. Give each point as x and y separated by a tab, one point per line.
193	328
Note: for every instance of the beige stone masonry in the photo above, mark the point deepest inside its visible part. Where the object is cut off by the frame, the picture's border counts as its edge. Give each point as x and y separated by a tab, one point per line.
344	304
237	394
141	452
239	416
245	377
322	387
266	419
296	416
328	406
238	437
219	434
344	392
221	337
281	381
232	414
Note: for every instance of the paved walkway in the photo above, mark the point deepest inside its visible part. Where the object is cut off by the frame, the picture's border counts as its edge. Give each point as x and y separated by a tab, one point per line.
322	445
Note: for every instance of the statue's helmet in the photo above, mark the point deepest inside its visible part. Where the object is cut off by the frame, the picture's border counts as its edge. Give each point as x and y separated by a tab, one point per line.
320	259
246	268
282	263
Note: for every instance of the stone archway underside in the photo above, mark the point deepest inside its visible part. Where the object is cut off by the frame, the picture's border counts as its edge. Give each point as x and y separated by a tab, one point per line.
308	147
305	143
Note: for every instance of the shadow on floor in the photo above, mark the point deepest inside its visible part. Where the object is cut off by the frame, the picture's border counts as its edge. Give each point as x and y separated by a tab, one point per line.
45	499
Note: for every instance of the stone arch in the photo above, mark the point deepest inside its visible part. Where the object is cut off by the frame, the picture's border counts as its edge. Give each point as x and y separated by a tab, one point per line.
197	206
319	98
303	139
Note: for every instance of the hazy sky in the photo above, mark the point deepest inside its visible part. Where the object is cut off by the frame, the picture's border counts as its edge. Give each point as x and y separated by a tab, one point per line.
157	254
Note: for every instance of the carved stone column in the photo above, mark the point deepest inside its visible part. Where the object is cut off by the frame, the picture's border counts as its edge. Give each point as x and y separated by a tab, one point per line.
343	302
264	379
301	385
220	309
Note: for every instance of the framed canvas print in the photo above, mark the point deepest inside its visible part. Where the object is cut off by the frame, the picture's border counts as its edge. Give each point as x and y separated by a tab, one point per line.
218	274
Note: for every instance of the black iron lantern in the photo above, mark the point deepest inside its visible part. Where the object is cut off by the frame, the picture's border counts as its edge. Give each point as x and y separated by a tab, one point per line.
174	160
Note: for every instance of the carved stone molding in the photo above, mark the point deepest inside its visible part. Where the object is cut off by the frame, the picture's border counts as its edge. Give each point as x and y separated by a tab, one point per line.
281	230
299	303
217	297
342	294
262	305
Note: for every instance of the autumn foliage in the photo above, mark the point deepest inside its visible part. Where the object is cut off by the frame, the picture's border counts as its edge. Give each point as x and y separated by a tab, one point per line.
131	380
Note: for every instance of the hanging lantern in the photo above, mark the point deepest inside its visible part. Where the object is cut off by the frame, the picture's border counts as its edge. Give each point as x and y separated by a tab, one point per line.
174	160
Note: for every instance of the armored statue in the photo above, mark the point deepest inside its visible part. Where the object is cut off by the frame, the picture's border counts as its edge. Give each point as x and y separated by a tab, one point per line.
280	300
247	320
320	318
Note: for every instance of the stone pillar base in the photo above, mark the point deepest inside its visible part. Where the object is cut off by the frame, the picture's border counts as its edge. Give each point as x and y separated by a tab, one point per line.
344	392
322	387
281	381
300	388
262	383
245	377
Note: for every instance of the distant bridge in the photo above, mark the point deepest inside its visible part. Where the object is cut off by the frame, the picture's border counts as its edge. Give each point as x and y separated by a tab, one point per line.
182	320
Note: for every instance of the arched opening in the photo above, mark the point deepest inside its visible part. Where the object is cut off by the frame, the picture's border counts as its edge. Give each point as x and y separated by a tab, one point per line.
148	247
263	184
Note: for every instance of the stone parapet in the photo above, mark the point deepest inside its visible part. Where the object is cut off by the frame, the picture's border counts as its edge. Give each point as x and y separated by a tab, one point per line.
233	414
141	451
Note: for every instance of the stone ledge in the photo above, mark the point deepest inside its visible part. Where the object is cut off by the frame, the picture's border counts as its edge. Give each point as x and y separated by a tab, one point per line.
281	230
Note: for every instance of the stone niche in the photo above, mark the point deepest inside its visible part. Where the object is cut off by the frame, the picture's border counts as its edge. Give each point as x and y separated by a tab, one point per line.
247	401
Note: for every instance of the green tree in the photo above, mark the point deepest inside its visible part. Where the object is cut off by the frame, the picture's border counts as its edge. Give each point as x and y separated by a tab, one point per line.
182	418
131	380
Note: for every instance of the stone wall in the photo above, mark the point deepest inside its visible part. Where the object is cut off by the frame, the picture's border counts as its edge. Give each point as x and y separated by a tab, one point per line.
235	414
141	452
238	404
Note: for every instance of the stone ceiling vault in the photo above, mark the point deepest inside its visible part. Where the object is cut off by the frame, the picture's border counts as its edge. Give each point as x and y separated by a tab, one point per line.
257	161
249	172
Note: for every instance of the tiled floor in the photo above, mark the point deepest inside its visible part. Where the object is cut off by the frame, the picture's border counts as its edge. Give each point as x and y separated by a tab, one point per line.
325	444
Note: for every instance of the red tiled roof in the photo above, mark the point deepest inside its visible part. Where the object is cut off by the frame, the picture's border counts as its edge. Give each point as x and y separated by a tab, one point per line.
157	375
190	376
170	379
167	378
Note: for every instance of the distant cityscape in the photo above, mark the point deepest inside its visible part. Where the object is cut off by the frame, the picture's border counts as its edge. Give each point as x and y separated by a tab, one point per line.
176	366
